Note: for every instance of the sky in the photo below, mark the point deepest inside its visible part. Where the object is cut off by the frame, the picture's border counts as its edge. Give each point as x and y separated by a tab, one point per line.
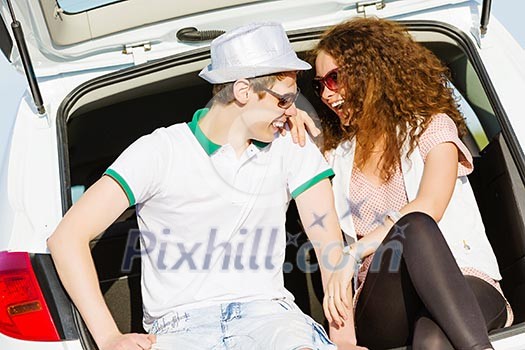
12	85
510	13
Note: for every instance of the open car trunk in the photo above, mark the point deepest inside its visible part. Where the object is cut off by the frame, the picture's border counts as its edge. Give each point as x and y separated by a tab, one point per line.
102	117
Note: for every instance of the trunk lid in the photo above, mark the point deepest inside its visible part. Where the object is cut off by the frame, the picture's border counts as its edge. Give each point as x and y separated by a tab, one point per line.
75	35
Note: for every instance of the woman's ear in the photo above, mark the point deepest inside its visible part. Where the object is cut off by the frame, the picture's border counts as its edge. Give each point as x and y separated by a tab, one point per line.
241	91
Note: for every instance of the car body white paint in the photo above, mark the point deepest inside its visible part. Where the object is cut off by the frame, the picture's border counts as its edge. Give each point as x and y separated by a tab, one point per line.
30	191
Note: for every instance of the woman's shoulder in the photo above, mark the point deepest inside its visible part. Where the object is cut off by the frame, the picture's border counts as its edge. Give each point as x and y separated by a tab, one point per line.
441	129
441	123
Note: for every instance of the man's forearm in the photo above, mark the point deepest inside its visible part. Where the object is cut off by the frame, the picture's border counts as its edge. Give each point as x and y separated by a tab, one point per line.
316	208
77	272
69	245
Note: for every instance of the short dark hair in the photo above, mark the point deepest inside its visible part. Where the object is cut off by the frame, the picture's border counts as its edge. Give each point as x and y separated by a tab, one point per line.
223	93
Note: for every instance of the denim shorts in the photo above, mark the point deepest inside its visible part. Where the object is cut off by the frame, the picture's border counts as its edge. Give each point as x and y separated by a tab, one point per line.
276	324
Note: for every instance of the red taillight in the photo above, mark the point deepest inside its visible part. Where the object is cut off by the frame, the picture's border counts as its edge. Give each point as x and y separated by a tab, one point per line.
23	310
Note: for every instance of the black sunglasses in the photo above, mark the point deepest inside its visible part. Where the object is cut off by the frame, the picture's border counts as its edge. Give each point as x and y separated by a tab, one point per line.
286	100
329	80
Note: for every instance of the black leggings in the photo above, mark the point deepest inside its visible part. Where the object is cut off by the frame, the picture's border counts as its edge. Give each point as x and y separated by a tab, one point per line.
415	294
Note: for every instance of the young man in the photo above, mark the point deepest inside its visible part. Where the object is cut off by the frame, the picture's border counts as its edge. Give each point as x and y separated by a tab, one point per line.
213	195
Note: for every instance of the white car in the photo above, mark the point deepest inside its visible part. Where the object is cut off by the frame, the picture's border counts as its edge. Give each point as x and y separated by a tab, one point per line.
102	73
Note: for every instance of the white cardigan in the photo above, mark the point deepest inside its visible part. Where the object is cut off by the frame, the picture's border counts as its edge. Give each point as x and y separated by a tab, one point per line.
461	223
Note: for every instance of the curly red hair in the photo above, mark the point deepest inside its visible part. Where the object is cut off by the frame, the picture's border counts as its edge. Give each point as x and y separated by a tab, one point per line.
392	86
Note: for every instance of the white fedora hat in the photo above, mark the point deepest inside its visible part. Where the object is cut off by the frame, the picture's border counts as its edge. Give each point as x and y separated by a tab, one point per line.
250	51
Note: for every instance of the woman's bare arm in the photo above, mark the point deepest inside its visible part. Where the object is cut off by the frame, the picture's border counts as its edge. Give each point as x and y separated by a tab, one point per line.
434	194
435	191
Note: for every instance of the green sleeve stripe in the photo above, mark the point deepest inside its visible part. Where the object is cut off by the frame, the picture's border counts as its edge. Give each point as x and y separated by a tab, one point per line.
311	182
120	180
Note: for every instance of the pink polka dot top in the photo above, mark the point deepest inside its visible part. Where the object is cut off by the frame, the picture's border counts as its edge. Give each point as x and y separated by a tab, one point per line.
371	202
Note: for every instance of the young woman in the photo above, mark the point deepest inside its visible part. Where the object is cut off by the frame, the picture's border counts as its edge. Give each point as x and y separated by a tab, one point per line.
392	133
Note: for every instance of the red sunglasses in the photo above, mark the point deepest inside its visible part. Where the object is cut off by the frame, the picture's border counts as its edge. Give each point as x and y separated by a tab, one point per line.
329	80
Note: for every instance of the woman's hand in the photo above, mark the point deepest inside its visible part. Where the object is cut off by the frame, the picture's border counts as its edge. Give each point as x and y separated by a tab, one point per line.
130	341
298	125
337	301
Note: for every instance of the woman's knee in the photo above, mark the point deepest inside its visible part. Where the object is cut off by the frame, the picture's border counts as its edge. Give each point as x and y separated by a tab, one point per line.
417	226
418	233
417	219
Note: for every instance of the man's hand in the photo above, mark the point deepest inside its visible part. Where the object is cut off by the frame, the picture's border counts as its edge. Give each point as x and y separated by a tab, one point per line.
337	301
344	336
298	125
131	341
347	345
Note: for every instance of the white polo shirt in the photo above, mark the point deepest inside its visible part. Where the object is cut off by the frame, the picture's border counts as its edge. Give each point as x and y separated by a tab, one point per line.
212	225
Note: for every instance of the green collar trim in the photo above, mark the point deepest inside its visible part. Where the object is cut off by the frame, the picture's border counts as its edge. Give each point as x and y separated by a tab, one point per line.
260	144
208	145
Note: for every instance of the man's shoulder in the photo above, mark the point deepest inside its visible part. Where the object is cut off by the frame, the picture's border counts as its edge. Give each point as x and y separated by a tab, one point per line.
162	140
172	134
284	141
178	128
286	144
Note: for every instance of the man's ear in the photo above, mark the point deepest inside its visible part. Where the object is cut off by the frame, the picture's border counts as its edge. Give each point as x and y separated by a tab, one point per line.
241	91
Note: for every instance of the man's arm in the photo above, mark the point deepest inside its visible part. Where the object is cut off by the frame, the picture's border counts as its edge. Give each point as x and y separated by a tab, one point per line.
319	218
98	208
